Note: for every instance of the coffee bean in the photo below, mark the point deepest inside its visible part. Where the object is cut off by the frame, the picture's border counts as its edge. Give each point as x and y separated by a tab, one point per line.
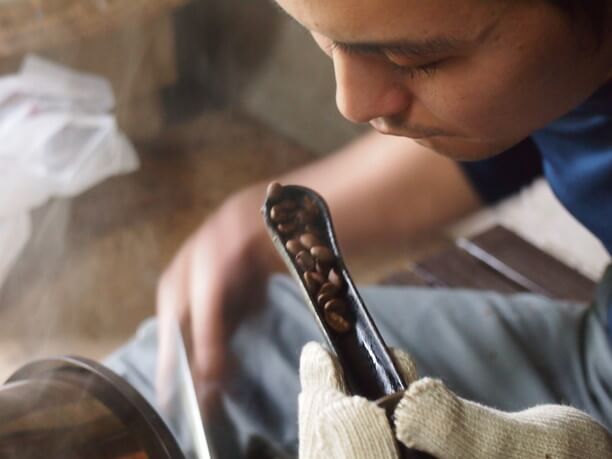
320	279
303	217
286	205
299	216
309	217
274	191
322	268
323	254
338	323
334	277
310	206
314	230
294	247
305	261
335	313
329	289
313	281
309	240
336	305
278	215
325	297
287	228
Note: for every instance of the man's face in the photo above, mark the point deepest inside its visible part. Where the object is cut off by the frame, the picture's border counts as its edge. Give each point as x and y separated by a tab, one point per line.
467	78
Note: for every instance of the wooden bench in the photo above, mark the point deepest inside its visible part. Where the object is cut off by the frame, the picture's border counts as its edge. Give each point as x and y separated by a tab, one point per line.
497	260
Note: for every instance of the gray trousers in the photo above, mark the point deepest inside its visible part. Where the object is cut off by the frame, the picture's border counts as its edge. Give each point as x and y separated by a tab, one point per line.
507	352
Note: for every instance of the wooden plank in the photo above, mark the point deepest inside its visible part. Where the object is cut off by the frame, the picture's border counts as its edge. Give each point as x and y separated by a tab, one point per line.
497	260
405	277
455	268
548	274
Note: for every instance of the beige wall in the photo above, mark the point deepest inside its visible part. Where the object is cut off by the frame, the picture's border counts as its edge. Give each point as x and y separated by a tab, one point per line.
137	57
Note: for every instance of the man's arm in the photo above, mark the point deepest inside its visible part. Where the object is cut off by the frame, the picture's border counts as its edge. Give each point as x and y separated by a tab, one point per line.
383	190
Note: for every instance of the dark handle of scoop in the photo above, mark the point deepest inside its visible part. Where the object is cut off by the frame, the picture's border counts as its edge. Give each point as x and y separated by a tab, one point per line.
291	212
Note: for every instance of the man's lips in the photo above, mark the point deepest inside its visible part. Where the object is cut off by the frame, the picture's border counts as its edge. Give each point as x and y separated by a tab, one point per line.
412	132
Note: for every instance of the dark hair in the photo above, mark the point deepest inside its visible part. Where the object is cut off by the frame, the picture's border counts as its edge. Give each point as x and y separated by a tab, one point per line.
592	14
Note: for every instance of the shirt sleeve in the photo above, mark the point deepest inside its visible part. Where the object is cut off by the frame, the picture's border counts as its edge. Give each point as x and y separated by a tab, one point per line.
502	175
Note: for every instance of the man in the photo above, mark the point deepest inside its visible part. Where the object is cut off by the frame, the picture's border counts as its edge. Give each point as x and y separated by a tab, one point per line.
466	79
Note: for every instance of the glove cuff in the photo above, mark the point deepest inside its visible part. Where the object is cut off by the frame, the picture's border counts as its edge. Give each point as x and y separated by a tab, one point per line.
432	419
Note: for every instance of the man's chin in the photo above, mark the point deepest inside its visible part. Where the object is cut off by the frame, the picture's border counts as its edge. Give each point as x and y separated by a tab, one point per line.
458	149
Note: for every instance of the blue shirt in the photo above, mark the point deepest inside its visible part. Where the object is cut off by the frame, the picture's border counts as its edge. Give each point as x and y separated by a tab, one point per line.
575	155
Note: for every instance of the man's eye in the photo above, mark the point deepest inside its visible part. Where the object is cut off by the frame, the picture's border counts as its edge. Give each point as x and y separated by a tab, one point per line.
419	70
399	62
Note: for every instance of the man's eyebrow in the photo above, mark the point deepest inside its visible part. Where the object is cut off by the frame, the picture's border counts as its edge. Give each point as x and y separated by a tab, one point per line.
410	48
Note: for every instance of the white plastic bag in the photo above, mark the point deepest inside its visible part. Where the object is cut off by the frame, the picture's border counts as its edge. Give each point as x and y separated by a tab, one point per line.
57	139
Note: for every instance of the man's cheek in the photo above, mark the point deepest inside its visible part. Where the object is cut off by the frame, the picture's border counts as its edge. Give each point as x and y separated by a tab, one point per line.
470	113
460	115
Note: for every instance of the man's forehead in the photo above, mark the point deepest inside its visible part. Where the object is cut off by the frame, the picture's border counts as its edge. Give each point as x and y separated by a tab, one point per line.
371	21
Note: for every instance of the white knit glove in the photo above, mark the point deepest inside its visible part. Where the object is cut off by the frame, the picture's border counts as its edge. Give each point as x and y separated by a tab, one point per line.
432	419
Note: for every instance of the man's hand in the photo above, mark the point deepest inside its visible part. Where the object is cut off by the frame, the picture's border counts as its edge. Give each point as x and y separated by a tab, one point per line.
430	418
216	276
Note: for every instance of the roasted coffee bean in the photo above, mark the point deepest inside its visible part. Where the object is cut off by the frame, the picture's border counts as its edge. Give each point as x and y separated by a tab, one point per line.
310	206
313	281
334	278
294	247
309	240
308	217
322	268
287	228
338	323
336	305
286	205
325	296
329	289
313	229
274	191
320	279
335	313
302	217
323	254
305	261
278	215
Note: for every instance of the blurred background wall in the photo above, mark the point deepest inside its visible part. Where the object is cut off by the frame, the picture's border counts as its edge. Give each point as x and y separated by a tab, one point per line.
170	61
214	93
252	56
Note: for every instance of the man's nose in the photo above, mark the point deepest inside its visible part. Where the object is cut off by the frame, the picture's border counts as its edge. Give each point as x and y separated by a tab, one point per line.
367	88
